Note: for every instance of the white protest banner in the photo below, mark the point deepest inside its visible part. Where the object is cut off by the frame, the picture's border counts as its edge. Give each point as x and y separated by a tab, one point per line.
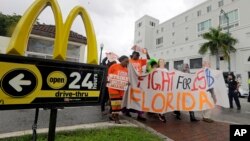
117	82
163	91
139	49
112	56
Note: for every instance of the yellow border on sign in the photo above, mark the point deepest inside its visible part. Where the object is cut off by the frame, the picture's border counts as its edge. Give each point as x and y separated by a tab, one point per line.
20	37
6	67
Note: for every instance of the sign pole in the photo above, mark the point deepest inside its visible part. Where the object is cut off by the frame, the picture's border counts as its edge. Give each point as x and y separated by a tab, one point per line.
34	126
52	124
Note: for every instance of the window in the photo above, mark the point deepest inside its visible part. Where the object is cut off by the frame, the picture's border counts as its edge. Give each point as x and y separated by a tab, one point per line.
173	42
209	8
222	58
173	24
41	48
220	3
178	65
162	29
198	13
152	23
157	31
203	26
186	39
139	33
139	24
196	63
173	33
186	18
167	65
232	16
159	41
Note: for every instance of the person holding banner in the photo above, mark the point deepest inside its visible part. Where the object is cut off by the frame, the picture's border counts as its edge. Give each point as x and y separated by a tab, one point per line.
186	69
137	64
161	63
206	114
153	64
116	93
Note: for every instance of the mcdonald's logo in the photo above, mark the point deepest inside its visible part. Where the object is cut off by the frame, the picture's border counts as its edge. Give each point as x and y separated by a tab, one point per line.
20	37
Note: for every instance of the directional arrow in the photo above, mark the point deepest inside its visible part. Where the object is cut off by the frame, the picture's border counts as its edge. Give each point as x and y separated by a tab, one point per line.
17	82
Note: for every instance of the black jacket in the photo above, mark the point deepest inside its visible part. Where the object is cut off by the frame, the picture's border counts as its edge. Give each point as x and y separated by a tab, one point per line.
232	86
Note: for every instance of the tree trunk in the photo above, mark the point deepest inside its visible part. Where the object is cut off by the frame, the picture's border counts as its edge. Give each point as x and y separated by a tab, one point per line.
217	60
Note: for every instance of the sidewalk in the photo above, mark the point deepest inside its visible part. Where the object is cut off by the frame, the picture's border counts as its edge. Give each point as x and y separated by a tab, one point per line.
184	130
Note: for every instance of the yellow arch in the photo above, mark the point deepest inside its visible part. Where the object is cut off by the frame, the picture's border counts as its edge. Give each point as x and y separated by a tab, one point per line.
20	37
60	51
19	40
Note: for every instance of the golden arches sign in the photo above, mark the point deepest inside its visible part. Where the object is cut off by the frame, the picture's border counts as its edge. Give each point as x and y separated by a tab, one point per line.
19	40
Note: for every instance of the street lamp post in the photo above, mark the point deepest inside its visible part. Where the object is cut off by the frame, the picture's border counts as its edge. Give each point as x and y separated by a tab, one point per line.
229	60
100	61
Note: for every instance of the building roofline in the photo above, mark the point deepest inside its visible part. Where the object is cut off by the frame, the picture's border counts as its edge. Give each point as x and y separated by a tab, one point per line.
145	17
183	13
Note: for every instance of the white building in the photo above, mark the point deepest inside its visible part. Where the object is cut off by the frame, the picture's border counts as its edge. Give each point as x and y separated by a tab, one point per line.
178	40
41	42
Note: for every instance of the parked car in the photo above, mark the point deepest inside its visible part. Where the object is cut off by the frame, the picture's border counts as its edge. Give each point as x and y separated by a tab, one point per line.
243	92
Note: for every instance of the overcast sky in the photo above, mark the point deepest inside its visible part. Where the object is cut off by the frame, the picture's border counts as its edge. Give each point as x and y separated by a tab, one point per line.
113	19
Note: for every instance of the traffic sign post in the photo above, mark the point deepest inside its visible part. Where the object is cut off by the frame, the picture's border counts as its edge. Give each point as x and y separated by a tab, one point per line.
34	126
52	124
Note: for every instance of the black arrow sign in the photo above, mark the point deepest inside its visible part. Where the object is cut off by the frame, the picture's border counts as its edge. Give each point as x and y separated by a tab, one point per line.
18	83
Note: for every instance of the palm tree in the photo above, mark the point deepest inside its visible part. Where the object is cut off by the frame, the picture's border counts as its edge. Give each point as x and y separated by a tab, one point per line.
218	42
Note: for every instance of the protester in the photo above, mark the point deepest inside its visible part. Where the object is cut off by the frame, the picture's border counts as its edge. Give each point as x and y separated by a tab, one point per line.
206	114
105	95
138	64
161	65
191	113
233	87
115	94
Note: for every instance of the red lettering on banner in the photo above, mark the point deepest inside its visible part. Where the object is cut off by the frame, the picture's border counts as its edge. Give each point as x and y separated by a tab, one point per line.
155	86
140	78
198	79
168	80
204	100
149	78
161	96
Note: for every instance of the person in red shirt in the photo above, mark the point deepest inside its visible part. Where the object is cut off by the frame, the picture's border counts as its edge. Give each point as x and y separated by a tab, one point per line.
116	95
138	63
